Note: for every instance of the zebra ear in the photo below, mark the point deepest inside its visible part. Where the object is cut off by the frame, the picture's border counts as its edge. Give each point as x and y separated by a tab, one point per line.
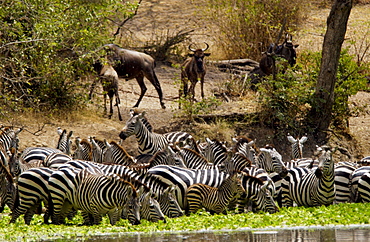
303	139
291	139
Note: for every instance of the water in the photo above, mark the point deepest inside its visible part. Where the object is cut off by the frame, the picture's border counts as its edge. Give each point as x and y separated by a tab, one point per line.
324	234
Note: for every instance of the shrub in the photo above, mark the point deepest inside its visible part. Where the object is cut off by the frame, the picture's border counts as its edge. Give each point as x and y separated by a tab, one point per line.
248	27
43	46
285	101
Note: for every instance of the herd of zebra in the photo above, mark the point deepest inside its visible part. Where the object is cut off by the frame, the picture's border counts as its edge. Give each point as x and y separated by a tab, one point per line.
173	175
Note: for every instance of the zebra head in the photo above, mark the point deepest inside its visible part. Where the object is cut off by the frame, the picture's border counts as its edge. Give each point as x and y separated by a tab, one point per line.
245	146
271	161
153	207
64	142
297	146
132	124
169	204
326	162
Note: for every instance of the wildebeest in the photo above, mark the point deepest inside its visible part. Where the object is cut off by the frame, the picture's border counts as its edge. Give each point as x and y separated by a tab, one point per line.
131	64
109	80
267	65
193	69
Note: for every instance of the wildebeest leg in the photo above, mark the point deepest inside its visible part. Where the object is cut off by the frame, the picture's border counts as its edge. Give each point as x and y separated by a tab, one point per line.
105	102
152	77
201	87
110	106
192	89
93	87
118	101
140	81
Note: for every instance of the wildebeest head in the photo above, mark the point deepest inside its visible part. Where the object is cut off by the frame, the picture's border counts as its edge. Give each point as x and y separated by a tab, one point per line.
287	50
198	55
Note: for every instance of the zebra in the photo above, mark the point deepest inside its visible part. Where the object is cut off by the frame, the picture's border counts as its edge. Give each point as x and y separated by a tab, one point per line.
18	166
182	178
364	188
271	161
308	187
64	142
37	153
245	146
237	162
149	143
342	180
354	179
83	150
194	160
297	146
150	209
178	138
214	200
8	139
61	184
163	157
55	160
164	192
32	190
215	152
99	194
8	189
116	154
98	150
256	191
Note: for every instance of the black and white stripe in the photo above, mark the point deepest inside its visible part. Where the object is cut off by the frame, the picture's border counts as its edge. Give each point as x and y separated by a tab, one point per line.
214	200
182	178
32	190
307	187
98	194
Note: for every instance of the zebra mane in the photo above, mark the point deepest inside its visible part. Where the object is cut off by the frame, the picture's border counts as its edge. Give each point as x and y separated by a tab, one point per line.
85	142
114	143
143	119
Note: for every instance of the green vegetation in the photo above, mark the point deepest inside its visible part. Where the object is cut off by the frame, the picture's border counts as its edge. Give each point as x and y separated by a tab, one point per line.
286	101
248	27
341	214
46	47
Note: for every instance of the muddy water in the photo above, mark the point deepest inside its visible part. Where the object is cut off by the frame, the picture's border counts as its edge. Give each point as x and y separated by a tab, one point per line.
338	234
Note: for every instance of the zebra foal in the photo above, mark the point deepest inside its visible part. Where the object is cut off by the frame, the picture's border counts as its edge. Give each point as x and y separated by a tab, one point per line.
105	194
214	200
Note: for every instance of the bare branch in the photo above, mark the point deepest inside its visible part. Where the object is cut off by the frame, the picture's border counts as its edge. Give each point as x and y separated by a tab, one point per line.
127	19
24	41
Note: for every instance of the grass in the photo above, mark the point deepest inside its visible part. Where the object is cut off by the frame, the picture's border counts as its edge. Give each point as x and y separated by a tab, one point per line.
340	214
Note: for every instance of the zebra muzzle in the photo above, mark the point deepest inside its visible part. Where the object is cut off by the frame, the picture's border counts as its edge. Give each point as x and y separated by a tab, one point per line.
122	135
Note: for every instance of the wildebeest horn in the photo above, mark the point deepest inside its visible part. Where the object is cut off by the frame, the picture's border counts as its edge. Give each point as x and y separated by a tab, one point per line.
206	47
191	48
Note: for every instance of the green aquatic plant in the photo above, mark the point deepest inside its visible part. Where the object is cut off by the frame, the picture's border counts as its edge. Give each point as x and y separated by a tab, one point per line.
340	214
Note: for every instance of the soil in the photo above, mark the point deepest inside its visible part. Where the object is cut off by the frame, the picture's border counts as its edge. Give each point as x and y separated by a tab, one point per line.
159	15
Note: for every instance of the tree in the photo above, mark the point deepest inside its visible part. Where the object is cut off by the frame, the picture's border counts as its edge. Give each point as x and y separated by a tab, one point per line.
320	115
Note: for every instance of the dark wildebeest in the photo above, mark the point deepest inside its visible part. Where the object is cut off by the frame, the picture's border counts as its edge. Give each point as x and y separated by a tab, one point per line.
131	64
267	63
109	80
193	69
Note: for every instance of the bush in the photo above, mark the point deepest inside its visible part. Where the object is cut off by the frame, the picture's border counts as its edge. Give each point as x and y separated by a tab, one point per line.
286	101
248	27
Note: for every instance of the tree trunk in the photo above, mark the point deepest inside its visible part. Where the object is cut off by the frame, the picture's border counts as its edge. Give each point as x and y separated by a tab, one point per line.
320	114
